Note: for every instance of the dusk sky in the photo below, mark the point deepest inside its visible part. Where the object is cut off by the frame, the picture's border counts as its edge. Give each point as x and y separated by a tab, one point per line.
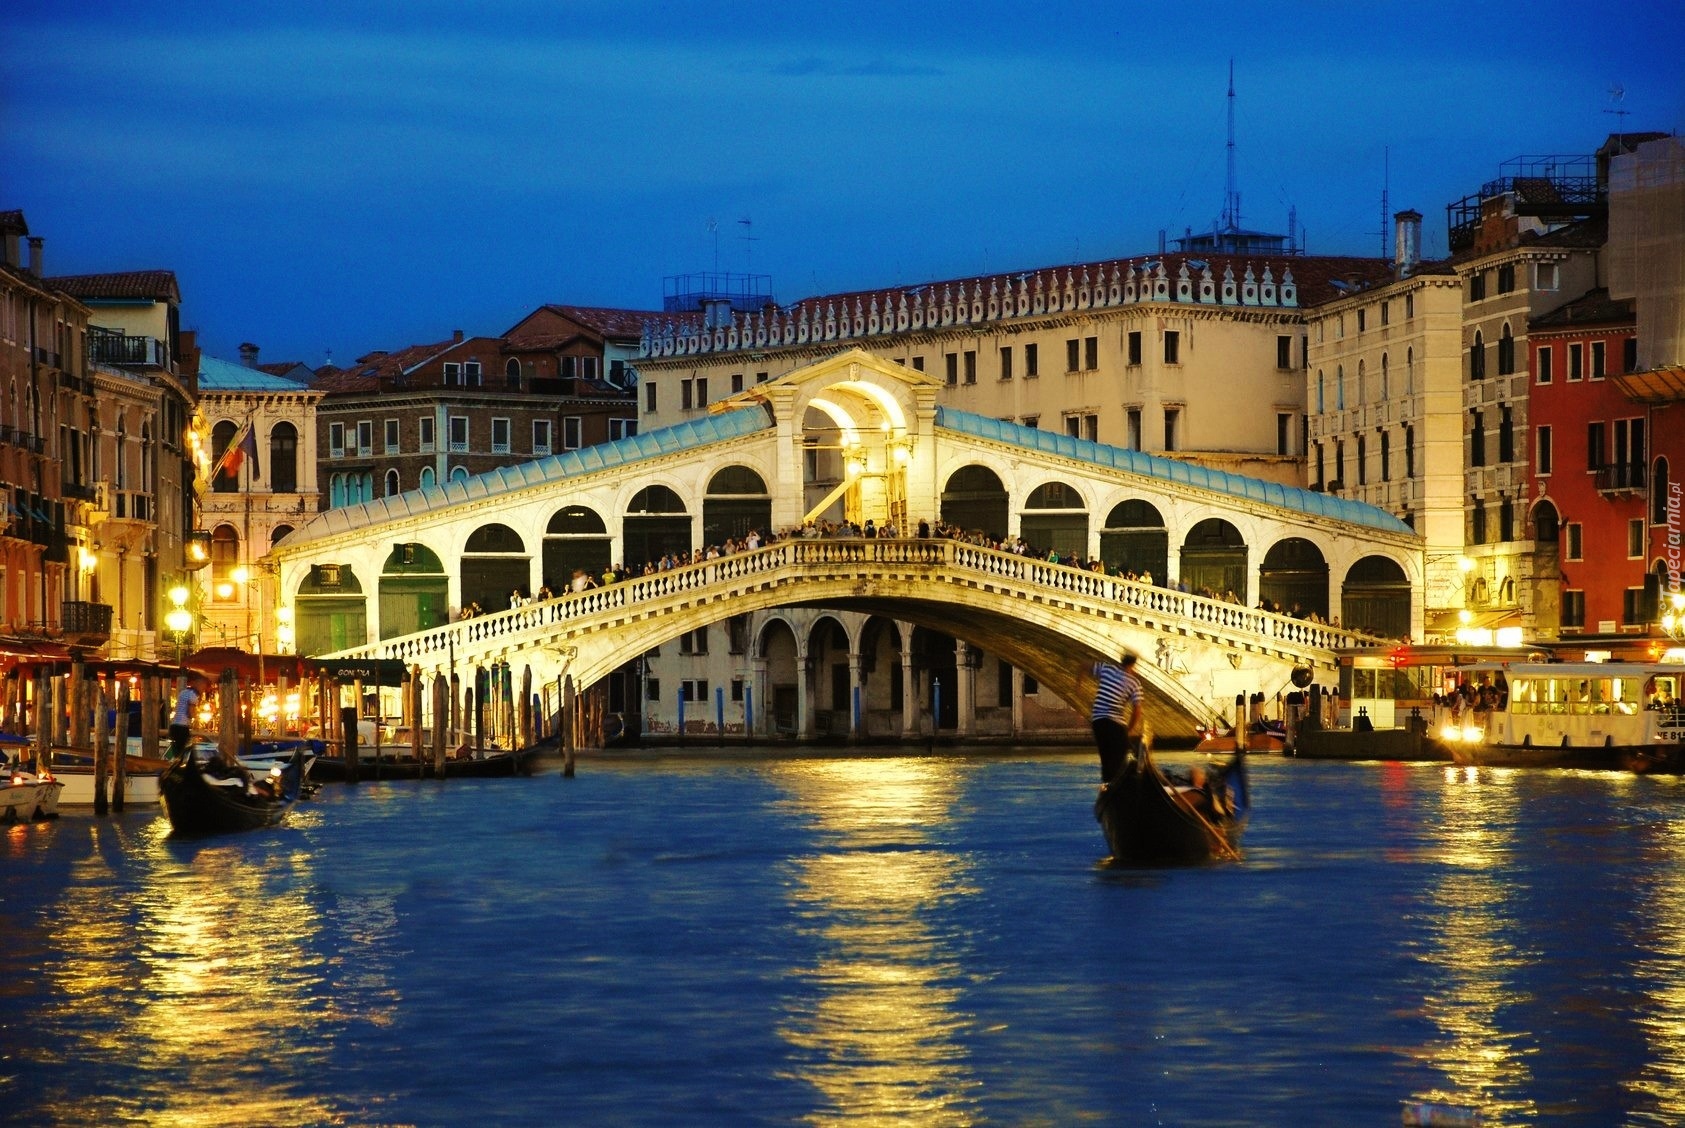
333	178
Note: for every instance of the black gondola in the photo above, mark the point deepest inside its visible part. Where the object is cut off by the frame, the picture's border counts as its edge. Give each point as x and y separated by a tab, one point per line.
197	804
1150	818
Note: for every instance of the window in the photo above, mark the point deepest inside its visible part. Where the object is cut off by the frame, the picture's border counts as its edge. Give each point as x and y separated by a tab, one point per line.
1545	276
1543	450
1477	286
1361	319
1091	428
1506	434
391	436
1409	452
1576	362
1506	353
1172	416
652	689
392	489
425	433
971	366
1033	422
1284	352
1542	370
1386	379
1629	447
736	382
694	642
541	436
701	391
471	373
1321	392
1006	362
1597	453
649	398
452	373
1574	608
336	440
1362	461
1030	361
1091	353
1477	357
1477	523
512	374
1637	606
365	437
951	368
1283	432
1659	492
459	432
283	459
1386	313
1506	279
1597	363
760	377
687	392
1635	539
1477	438
573	432
1073	354
1073	426
622	428
1573	541
694	692
1409	306
1629	355
918	364
427	478
1321	466
1386	457
500	436
588	367
1135	347
1172	347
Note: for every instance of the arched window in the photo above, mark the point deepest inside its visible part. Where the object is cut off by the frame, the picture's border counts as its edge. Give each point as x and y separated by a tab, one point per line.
1362	392
283	458
427	477
1386	380
1658	492
1340	388
225	558
512	374
459	473
146	483
122	466
336	490
392	483
1506	352
1477	357
221	435
278	534
1410	371
1319	392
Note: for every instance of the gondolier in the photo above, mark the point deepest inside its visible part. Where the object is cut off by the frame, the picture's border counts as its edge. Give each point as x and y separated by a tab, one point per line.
1116	716
181	721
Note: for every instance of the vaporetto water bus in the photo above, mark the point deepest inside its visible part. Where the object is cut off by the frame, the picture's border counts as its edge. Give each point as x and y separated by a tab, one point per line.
1621	716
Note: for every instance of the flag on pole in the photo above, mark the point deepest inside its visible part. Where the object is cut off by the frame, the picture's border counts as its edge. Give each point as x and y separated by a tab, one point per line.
241	447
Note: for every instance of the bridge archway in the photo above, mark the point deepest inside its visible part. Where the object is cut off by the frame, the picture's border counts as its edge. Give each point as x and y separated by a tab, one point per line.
975	500
656	523
575	538
736	502
330	610
1214	559
414	591
1294	578
1135	540
495	564
1055	518
1376	597
779	657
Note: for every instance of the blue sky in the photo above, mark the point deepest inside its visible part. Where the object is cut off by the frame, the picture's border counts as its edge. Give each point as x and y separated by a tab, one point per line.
341	177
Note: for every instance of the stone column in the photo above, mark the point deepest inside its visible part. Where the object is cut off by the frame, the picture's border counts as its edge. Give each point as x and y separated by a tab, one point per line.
909	685
1017	702
804	697
763	706
856	693
965	704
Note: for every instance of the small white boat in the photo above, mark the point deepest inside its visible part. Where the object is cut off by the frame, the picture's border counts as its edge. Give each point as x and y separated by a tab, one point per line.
140	788
25	796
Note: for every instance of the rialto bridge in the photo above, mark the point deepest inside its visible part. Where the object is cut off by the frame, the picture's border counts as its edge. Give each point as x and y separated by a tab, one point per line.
880	636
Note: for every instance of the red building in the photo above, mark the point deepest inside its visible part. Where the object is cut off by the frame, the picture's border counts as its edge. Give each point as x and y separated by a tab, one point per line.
1591	470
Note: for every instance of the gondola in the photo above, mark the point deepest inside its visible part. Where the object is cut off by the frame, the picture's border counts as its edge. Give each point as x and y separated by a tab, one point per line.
512	763
1152	819
198	804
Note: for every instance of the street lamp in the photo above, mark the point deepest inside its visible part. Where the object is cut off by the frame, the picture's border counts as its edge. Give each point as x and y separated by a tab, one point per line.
179	619
1673	619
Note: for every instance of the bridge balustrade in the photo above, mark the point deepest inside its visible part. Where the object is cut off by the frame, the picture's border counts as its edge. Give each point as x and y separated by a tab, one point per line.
510	627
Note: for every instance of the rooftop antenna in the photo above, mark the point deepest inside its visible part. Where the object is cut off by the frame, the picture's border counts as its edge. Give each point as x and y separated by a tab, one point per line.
1617	95
1231	197
714	230
1386	177
748	238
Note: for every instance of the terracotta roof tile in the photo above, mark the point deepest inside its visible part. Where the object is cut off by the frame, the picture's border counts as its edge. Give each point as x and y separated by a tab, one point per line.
622	323
158	285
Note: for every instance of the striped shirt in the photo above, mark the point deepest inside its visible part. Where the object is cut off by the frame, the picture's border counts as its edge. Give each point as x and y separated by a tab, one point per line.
1117	695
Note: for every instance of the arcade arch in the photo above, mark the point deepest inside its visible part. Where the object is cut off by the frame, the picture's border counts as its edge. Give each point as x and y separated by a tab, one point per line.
975	500
330	610
1213	559
495	565
736	502
414	591
1375	597
1135	540
656	523
1055	518
1294	578
576	539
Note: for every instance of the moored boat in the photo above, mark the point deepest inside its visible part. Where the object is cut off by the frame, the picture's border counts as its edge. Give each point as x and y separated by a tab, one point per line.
199	803
1152	818
25	796
1613	716
140	787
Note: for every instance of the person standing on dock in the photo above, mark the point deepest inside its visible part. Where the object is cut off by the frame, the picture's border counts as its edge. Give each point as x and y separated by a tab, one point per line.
1116	716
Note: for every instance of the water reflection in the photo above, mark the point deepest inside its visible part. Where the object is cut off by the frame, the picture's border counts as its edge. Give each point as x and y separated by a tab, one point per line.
1661	899
197	980
879	1015
1470	944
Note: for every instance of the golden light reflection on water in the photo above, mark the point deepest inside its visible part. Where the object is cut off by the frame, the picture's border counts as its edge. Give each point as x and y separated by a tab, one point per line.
1662	897
881	1039
1477	966
197	981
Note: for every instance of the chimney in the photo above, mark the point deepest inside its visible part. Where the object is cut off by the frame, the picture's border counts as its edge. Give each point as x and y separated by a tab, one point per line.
456	336
36	261
1407	246
248	355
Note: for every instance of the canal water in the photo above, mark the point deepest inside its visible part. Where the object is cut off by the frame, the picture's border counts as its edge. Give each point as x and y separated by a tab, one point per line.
875	940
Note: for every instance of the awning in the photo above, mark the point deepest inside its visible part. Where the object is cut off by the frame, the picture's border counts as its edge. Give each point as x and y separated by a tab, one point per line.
28	651
383	671
213	660
1449	622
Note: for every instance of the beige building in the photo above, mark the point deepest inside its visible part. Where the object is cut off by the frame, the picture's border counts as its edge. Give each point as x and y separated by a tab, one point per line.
249	511
1385	406
1201	358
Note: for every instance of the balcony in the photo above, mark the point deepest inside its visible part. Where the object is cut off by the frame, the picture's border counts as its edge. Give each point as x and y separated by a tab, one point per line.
1620	479
121	505
86	624
125	351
